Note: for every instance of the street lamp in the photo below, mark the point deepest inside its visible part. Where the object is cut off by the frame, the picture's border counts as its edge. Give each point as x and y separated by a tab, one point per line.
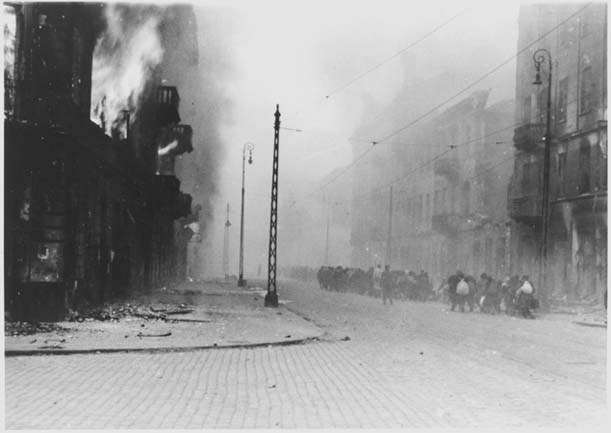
539	58
247	146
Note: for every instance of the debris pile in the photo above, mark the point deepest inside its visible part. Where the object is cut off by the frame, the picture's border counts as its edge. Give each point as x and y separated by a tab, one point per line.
115	313
14	329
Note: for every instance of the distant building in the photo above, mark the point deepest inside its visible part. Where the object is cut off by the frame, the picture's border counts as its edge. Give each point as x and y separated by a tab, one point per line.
88	217
578	184
449	178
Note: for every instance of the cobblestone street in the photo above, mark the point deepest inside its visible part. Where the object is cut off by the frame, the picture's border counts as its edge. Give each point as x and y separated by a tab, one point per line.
408	365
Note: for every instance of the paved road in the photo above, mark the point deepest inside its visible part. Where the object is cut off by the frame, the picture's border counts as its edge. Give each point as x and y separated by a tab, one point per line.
409	365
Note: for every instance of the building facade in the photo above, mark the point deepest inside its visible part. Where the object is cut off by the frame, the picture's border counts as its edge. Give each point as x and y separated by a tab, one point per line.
440	202
88	216
577	250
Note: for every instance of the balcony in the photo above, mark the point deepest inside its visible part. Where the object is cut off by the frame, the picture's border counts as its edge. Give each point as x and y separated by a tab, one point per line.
446	224
527	137
451	224
448	168
166	101
184	134
525	209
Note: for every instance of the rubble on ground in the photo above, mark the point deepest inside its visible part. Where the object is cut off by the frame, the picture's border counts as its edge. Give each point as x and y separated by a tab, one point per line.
14	329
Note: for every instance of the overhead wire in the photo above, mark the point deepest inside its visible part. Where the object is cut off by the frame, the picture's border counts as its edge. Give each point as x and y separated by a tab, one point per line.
398	53
470	86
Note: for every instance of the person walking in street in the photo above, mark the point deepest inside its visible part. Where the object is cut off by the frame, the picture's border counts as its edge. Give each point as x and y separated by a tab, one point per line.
387	285
470	298
453	281
462	292
525	298
377	280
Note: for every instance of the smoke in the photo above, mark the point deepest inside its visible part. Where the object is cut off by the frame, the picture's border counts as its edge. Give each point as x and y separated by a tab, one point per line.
124	60
197	60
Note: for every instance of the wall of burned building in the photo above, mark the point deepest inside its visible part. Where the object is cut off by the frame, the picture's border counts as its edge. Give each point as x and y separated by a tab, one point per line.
87	219
578	172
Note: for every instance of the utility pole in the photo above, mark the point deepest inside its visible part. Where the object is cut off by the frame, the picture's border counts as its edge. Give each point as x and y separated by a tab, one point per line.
327	241
226	246
271	298
389	235
539	57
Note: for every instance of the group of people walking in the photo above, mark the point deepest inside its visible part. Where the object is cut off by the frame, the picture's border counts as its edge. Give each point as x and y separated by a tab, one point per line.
512	295
377	282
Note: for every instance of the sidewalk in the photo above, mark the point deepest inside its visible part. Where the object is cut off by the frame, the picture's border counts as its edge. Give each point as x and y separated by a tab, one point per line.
189	317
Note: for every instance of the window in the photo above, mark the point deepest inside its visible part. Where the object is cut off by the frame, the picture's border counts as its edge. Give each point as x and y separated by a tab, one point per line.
542	103
561	172
563	89
420	208
584	167
585	97
526	169
444	200
526	109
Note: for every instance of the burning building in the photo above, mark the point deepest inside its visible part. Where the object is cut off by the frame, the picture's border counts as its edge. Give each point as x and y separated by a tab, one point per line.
577	251
93	208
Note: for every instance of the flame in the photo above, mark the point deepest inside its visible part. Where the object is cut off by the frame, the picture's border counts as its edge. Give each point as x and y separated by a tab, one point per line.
124	59
165	150
9	24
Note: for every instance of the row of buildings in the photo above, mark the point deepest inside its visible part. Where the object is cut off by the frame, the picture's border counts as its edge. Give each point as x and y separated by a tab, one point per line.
88	215
462	190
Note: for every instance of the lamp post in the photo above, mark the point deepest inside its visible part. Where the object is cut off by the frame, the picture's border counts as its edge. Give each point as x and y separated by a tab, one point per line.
539	57
247	146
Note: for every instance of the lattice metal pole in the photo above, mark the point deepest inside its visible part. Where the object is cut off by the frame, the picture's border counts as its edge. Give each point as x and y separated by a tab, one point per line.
271	298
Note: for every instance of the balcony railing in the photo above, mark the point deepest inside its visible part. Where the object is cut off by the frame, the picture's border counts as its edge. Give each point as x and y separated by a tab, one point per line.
448	168
444	223
184	134
167	101
450	224
526	208
527	137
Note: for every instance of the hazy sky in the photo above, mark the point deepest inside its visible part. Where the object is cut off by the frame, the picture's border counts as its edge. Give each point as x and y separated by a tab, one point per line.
294	53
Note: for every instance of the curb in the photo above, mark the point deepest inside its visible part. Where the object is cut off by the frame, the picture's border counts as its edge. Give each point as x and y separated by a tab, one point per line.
38	352
591	324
